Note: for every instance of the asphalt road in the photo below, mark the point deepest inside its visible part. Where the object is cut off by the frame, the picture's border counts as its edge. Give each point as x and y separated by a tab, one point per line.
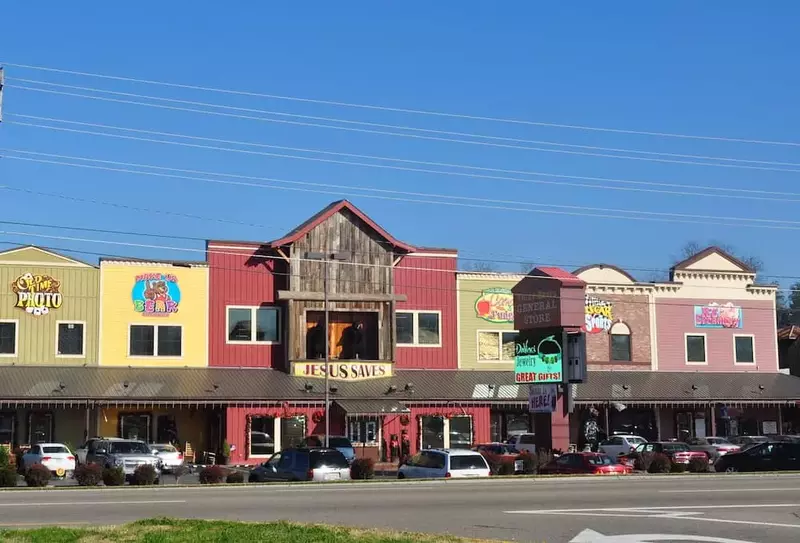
740	508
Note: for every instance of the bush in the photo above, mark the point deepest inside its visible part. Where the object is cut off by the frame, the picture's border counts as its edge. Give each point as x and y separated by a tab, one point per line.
144	475
698	465
506	467
113	477
37	475
235	477
362	468
677	468
5	457
543	458
529	462
179	471
641	461
660	464
8	477
88	474
213	475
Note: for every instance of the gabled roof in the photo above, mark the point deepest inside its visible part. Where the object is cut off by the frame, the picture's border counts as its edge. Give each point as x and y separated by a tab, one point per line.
54	258
686	264
327	212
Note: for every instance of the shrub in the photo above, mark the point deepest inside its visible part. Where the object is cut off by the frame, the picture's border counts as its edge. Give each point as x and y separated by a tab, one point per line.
113	477
362	468
144	475
543	458
88	474
5	457
8	476
37	475
235	477
660	464
677	468
529	462
641	462
179	471
213	475
505	467
698	465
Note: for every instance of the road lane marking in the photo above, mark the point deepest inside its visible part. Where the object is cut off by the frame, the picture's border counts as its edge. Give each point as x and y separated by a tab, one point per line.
657	508
82	503
728	490
590	536
690	518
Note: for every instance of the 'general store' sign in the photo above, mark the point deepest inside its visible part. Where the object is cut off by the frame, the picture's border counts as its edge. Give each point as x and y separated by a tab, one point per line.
343	371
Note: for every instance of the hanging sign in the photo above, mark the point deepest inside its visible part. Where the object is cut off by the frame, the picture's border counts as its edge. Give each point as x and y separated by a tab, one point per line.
598	315
156	294
495	305
538	363
715	315
542	398
37	294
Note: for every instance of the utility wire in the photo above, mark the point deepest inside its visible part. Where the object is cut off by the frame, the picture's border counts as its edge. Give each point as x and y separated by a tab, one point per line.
744	193
391	126
414	136
404	110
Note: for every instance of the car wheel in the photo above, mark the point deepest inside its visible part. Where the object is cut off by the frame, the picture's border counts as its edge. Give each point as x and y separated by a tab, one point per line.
401	476
157	482
252	479
731	469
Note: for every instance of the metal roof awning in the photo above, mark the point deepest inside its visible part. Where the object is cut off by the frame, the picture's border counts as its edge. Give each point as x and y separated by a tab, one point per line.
372	407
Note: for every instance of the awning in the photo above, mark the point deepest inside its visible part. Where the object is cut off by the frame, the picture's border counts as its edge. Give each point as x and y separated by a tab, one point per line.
371	407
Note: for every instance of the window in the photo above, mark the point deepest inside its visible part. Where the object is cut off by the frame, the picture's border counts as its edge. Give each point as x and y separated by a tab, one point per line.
496	345
432	434
418	328
461	432
70	339
293	431
135	426
8	338
695	349
266	329
743	349
262	442
363	430
40	428
7	430
150	340
620	342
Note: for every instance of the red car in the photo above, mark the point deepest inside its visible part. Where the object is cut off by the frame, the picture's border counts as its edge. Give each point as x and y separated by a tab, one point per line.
678	452
503	452
584	463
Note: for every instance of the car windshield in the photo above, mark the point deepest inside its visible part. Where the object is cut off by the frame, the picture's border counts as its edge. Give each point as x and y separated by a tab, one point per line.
676	447
165	448
718	441
55	449
599	460
340	442
472	461
636	440
128	447
328	459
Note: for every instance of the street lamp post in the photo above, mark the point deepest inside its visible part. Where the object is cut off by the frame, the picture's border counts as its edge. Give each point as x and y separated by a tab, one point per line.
326	258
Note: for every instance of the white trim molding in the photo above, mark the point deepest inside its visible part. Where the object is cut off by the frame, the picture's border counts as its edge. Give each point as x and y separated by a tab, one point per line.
686	348
736	362
416	313
499	333
83	340
253	324
15	322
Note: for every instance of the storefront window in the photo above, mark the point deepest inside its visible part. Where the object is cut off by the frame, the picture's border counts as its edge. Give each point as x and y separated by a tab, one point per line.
461	432
135	426
293	431
6	428
432	434
40	428
262	442
363	430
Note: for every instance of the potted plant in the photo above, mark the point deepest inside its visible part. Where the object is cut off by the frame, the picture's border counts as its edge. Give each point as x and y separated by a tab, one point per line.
226	452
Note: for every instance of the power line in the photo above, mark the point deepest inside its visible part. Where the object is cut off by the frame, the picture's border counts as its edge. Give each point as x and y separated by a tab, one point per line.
745	193
407	110
414	136
464	201
391	126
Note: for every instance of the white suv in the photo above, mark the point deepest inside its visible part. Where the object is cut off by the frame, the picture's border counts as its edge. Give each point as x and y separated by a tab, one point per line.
525	442
622	444
444	463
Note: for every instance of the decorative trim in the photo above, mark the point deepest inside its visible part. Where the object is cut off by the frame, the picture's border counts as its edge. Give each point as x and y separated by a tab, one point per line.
630	289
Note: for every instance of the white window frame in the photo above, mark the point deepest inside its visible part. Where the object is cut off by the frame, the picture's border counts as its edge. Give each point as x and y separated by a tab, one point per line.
83	342
686	349
416	313
276	436
15	322
499	346
753	339
155	354
253	313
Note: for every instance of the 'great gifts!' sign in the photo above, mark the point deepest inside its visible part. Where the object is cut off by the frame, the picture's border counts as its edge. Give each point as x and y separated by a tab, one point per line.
538	363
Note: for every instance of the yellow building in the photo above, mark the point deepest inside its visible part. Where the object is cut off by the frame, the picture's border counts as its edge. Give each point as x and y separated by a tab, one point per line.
153	314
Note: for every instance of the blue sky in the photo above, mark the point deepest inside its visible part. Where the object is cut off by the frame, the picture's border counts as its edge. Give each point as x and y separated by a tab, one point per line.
712	68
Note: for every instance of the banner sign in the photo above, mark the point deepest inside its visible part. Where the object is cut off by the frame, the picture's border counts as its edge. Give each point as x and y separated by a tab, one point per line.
715	315
343	371
495	305
542	398
37	294
156	294
598	315
542	363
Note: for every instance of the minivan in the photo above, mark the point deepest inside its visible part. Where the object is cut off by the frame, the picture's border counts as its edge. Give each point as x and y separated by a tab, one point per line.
303	464
445	464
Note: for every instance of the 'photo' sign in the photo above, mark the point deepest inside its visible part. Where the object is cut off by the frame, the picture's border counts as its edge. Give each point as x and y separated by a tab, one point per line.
37	294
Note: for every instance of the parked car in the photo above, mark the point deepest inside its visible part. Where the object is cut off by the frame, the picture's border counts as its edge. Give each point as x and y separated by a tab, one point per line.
504	452
614	446
80	452
303	464
171	458
261	444
54	456
444	463
714	447
770	456
677	452
745	442
127	454
340	443
584	463
523	442
783	438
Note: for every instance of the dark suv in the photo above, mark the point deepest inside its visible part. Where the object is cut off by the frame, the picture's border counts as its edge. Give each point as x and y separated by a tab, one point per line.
770	456
301	464
127	454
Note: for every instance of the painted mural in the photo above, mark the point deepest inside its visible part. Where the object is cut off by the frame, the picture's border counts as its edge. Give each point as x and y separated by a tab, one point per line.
156	294
37	294
495	305
599	315
715	315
